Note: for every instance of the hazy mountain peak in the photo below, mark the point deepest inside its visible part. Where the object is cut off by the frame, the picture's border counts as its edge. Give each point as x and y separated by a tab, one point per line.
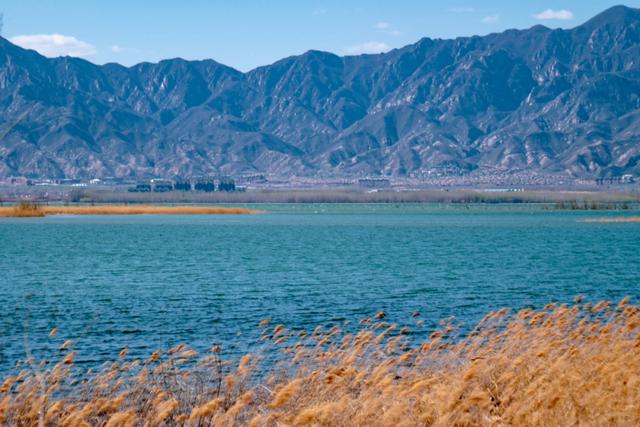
538	101
616	15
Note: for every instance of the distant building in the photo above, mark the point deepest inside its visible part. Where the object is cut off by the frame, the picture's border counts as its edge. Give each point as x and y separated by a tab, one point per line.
66	181
624	179
111	180
19	181
254	179
374	183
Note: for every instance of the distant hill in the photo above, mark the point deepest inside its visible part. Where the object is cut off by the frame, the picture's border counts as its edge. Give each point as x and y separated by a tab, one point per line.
539	100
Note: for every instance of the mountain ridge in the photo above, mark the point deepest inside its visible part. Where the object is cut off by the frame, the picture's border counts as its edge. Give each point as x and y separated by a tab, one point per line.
539	101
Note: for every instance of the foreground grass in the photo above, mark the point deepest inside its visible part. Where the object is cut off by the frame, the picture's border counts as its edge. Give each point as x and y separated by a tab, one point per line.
562	365
34	210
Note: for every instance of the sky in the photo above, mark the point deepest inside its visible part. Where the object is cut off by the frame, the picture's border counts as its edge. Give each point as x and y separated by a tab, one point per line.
246	34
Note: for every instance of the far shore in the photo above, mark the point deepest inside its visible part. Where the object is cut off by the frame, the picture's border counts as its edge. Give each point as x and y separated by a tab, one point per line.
566	199
34	210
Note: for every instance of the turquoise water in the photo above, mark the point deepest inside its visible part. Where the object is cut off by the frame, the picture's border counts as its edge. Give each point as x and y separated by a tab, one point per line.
149	282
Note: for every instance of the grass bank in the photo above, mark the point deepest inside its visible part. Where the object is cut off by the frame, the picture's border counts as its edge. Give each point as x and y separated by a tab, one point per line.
35	210
561	365
565	199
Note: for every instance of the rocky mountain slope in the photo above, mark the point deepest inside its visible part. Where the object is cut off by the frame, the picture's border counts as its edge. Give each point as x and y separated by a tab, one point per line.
539	100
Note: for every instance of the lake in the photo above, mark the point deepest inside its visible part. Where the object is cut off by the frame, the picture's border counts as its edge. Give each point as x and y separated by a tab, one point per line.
149	282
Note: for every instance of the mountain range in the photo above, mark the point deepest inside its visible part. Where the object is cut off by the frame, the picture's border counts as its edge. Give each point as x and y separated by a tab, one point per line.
540	101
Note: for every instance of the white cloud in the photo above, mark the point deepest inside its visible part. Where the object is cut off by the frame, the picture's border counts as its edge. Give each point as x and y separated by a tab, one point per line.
368	47
116	48
461	9
53	45
548	14
386	28
491	19
318	12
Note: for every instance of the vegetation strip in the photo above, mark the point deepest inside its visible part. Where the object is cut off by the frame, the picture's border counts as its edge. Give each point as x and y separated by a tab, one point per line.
626	219
30	210
570	200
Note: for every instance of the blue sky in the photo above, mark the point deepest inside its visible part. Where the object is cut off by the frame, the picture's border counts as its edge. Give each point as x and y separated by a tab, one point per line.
249	33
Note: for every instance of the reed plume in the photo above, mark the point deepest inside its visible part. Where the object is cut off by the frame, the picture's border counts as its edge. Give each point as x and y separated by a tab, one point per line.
561	365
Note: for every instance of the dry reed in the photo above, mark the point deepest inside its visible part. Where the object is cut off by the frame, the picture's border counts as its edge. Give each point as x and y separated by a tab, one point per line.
623	219
22	210
561	365
34	210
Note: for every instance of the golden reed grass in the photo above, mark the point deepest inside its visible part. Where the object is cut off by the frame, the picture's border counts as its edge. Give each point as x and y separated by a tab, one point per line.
22	210
25	210
621	219
561	365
